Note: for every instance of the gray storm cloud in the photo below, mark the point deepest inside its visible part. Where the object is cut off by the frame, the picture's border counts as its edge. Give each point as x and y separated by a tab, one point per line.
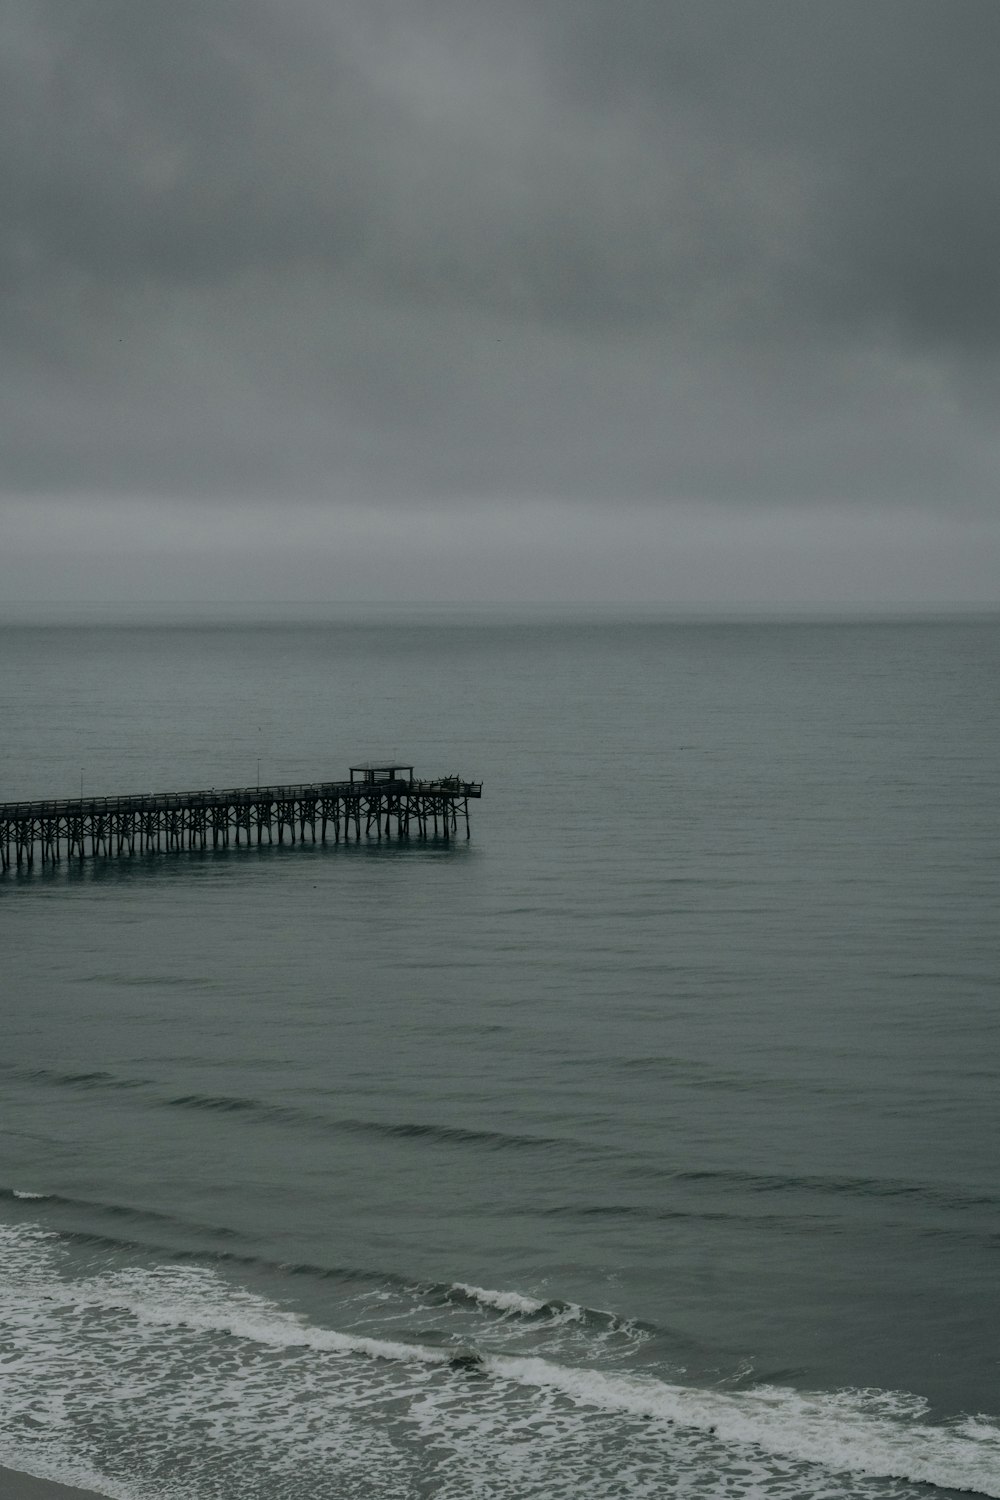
731	252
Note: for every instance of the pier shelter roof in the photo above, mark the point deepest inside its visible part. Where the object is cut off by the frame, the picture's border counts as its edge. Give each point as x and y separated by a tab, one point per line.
371	773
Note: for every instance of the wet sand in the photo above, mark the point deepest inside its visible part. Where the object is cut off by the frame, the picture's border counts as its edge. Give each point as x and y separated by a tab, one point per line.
16	1486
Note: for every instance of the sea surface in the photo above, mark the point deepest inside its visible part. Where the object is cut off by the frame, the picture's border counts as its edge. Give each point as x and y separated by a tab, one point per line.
646	1144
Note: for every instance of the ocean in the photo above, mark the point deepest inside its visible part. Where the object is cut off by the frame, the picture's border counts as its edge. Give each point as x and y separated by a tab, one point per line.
644	1144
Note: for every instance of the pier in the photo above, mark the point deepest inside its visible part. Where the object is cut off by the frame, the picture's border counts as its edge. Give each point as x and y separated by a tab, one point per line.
379	801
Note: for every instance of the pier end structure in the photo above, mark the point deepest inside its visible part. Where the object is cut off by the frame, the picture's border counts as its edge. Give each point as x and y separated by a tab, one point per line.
371	775
376	800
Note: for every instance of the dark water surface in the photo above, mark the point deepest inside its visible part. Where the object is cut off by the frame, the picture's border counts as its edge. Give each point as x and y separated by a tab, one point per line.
670	1098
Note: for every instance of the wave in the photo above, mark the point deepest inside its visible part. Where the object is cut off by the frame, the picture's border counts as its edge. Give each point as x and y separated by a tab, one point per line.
633	1164
119	1211
194	1343
95	1078
228	1104
158	1232
874	1433
388	1129
454	1134
950	1197
505	1303
657	1213
277	1113
550	1310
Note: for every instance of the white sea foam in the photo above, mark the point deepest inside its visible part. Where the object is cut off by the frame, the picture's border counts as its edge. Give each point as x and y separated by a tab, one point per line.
851	1431
115	1377
21	1193
172	1385
195	1298
505	1302
516	1304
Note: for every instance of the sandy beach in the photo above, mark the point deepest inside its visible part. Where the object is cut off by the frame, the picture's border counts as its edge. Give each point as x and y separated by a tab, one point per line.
17	1486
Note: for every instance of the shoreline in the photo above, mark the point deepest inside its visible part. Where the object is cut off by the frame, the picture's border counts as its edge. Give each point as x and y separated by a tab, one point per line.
16	1485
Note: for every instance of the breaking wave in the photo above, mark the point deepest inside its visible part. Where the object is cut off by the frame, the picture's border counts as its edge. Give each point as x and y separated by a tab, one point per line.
286	1407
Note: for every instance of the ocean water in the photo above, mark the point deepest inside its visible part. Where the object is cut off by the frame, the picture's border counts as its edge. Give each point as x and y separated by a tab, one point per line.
645	1144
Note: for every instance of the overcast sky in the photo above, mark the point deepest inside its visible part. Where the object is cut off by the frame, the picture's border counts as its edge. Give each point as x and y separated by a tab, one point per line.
678	301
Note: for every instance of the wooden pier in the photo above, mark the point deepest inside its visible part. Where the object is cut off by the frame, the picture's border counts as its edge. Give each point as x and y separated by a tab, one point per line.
377	800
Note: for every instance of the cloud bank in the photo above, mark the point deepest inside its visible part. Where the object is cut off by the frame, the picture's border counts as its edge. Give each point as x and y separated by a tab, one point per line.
659	281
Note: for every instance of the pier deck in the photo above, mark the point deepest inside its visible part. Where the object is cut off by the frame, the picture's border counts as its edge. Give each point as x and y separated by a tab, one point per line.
375	800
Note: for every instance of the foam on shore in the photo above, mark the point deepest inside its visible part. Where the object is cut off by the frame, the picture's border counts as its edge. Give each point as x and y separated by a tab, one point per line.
110	1366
